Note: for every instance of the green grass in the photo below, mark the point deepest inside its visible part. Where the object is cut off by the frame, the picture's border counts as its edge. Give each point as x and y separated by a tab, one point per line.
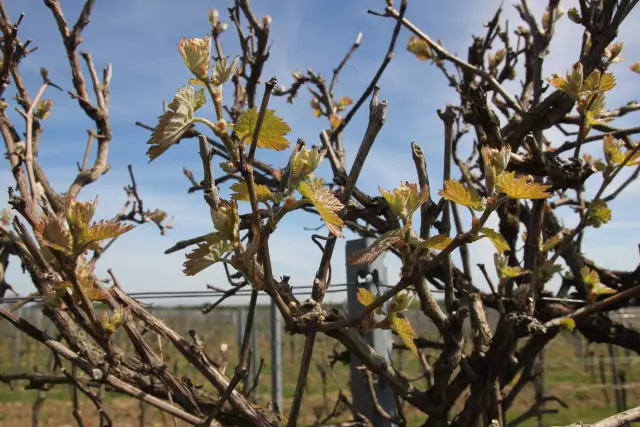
564	375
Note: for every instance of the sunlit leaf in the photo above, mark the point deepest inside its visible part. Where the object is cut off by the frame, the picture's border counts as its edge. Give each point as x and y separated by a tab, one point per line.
439	242
461	194
406	199
272	133
365	297
496	238
568	323
204	256
405	331
263	194
175	121
106	230
381	244
512	272
598	213
51	232
419	48
589	277
325	202
521	187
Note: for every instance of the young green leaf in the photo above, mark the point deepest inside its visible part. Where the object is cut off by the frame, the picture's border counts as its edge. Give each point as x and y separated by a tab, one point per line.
263	194
439	242
43	110
406	199
381	244
272	133
105	230
204	256
461	194
51	232
365	297
589	277
325	202
512	272
223	71
521	187
598	213
613	150
496	238
175	121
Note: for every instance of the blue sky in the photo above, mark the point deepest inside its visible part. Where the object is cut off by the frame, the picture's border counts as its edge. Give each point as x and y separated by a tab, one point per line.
139	38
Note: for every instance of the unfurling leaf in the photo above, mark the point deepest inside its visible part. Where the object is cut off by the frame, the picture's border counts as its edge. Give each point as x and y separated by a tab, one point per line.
568	323
613	51
325	202
439	242
521	187
598	213
79	214
496	59
589	277
105	230
335	120
272	133
365	297
117	318
223	71
51	232
461	194
204	256
496	238
613	150
572	84
406	199
43	110
196	54
381	244
419	48
303	163
574	15
495	162
175	121
226	219
405	331
401	302
263	194
315	106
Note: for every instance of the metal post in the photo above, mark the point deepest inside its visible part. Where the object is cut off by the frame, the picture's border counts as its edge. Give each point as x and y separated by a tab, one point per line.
276	358
17	344
380	340
255	359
